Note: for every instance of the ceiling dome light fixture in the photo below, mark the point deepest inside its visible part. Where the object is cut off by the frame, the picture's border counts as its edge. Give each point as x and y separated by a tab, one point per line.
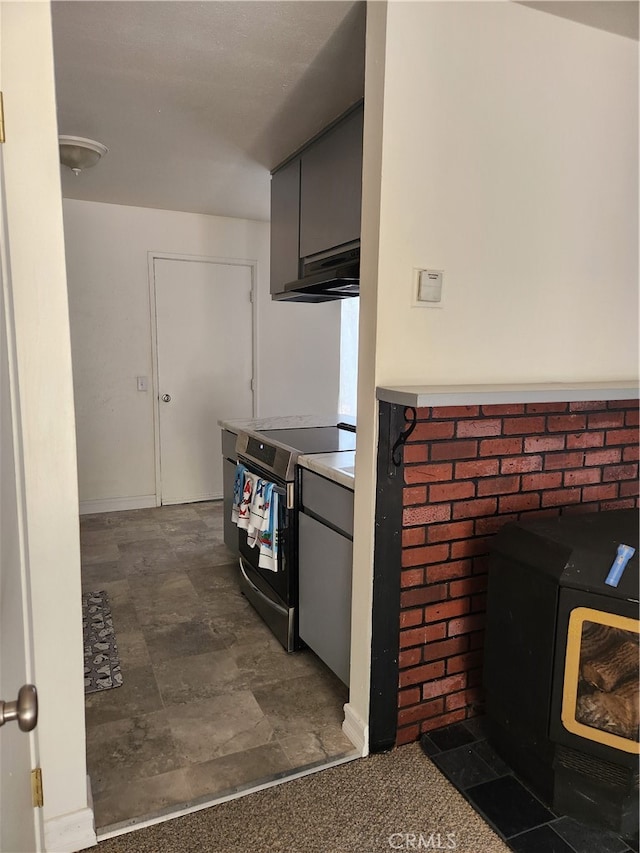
79	153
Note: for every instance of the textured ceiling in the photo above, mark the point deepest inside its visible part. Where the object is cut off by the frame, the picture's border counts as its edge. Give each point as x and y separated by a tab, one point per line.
196	101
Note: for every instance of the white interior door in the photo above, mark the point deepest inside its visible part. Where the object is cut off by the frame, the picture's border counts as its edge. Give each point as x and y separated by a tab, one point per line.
20	823
204	339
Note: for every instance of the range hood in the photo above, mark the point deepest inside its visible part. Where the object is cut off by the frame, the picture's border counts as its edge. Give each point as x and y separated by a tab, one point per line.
332	276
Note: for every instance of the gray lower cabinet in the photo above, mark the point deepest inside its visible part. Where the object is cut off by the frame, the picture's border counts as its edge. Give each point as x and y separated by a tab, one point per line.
228	480
325	557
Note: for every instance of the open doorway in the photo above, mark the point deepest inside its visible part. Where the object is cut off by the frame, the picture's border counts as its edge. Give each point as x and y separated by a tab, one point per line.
236	132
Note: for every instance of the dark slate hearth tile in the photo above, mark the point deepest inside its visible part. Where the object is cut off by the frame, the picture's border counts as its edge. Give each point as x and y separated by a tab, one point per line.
484	749
586	839
477	726
633	843
463	767
428	746
541	840
451	737
508	806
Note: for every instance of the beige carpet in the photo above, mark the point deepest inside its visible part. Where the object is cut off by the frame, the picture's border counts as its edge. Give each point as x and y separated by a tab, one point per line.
394	801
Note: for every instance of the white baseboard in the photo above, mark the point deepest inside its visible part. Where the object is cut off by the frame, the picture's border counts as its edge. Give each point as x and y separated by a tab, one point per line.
70	832
356	730
117	504
190	499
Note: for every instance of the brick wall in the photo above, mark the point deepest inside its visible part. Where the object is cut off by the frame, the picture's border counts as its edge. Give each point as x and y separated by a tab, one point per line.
467	471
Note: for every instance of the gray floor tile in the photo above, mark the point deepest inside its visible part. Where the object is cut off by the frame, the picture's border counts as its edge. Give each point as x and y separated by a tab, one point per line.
299	705
215	577
265	661
142	797
195	677
101	537
124	616
230	772
166	642
104	553
171	598
142	530
322	745
220	726
132	649
130	749
203	717
138	695
96	575
181	528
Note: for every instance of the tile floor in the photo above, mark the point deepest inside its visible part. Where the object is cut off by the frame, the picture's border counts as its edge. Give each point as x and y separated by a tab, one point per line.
466	758
210	702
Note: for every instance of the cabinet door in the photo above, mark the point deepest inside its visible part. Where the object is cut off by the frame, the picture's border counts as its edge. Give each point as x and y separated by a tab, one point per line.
331	188
325	559
285	225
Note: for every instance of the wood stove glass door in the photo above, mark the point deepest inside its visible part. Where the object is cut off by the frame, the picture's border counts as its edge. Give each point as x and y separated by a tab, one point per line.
600	692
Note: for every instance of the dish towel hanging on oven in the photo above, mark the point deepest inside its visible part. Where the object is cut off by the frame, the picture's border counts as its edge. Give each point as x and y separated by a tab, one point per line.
244	507
255	509
238	489
268	536
258	510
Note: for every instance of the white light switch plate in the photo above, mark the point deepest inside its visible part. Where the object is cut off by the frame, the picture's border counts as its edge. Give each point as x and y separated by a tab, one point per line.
427	288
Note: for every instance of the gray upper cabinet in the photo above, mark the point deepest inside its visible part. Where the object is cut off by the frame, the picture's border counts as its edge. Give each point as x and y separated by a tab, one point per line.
331	188
316	198
285	224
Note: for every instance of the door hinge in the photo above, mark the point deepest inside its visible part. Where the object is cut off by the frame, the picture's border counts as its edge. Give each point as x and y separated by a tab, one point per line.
1	118
36	788
251	296
252	384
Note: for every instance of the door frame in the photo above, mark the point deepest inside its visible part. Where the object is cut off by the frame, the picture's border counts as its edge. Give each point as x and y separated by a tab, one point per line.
155	387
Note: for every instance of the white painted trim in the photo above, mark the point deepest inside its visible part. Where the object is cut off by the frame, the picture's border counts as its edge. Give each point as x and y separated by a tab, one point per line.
487	395
117	504
70	832
242	262
193	500
356	730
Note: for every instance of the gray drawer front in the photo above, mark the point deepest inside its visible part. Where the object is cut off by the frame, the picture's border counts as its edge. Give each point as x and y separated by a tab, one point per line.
325	594
328	500
229	444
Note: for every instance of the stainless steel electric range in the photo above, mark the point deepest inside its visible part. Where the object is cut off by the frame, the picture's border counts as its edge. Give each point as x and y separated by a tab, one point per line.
272	455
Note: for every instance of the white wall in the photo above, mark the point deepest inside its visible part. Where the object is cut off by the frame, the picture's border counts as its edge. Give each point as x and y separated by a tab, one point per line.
501	146
107	248
510	162
36	248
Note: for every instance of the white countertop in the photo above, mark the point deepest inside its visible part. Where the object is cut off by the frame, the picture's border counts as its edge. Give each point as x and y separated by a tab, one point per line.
338	467
535	392
286	422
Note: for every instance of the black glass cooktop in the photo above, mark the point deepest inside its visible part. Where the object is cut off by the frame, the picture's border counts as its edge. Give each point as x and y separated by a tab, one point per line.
313	439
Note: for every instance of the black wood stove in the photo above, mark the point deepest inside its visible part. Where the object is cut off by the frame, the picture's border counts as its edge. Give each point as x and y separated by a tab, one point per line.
561	663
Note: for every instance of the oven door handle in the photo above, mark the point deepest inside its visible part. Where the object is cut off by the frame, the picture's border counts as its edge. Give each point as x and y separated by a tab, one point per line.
287	491
260	593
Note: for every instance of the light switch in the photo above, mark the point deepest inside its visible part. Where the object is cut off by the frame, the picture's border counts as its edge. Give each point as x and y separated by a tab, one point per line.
429	286
143	383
